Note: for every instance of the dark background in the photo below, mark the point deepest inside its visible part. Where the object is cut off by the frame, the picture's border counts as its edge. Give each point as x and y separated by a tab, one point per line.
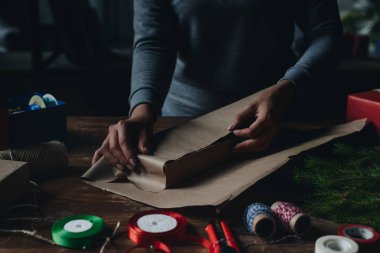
80	51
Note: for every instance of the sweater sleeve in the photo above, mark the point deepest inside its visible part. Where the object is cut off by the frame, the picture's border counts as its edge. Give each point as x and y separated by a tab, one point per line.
319	20
154	52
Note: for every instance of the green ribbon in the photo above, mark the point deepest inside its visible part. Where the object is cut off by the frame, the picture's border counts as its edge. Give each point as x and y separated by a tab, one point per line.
78	240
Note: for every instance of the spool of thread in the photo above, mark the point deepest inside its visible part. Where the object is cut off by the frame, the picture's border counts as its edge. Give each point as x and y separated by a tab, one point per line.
43	158
291	217
259	220
335	244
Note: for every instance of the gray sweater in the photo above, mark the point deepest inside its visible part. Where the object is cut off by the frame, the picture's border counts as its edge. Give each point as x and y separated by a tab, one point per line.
202	54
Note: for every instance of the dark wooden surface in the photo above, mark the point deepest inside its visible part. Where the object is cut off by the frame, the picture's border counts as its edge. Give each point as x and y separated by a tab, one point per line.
65	194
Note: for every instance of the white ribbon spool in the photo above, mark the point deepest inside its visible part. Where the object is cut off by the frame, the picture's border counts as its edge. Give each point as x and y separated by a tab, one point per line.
335	244
156	223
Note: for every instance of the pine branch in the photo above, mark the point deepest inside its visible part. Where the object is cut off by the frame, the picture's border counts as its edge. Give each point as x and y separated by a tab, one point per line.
343	184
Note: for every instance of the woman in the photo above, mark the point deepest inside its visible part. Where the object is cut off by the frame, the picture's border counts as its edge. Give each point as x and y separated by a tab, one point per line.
197	55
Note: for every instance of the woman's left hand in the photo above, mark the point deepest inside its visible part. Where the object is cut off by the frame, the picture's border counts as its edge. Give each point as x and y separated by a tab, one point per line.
258	124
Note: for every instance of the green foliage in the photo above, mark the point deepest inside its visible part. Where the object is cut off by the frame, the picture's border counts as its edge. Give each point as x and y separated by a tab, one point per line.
363	19
342	185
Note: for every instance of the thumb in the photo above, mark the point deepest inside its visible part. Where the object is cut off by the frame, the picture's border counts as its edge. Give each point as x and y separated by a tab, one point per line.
243	117
144	138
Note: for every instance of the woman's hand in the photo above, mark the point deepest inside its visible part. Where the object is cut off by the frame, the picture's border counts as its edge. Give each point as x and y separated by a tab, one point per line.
260	122
126	138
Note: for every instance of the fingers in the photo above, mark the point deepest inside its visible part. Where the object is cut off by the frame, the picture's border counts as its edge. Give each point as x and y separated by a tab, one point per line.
262	129
100	151
144	138
254	129
107	155
97	155
243	117
259	143
259	134
118	147
115	147
110	157
261	119
124	142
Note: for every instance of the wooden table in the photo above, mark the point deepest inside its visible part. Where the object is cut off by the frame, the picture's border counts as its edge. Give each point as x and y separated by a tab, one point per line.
66	195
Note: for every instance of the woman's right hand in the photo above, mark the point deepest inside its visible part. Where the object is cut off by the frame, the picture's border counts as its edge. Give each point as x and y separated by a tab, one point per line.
127	137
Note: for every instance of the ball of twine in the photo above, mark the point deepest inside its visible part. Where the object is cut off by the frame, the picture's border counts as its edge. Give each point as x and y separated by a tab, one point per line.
43	158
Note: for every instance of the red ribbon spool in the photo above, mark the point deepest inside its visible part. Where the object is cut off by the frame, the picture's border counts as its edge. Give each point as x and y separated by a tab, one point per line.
361	234
162	240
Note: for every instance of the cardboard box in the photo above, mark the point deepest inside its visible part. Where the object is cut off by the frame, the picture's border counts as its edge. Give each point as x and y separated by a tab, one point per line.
364	105
14	183
43	125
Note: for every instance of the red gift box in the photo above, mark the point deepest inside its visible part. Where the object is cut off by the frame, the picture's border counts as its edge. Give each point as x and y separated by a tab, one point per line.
364	105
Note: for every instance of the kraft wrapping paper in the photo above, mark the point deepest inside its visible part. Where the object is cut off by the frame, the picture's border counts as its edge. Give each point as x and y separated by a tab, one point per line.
191	164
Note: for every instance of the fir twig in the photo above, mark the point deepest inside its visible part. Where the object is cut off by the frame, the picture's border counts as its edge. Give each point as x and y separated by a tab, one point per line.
343	185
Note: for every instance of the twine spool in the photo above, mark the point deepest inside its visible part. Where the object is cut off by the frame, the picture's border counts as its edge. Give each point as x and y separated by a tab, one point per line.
259	220
291	217
43	158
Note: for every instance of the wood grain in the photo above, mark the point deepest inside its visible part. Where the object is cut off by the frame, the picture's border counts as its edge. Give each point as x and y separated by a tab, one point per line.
65	194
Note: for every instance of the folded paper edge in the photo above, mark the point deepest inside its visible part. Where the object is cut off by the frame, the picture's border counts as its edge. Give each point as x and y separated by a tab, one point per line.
357	126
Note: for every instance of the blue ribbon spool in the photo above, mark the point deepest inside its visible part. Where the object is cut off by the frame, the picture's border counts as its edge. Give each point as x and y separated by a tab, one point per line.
259	220
33	107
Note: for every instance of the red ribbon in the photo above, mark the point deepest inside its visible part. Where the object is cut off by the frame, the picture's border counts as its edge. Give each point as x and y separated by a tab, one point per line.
353	232
163	241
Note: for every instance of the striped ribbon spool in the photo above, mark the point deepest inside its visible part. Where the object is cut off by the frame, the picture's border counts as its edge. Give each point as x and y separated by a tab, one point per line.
291	217
259	220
